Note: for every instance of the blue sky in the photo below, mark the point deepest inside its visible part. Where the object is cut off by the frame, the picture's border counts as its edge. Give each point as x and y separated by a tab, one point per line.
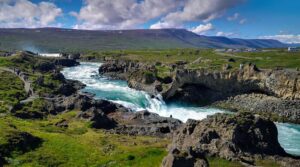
276	19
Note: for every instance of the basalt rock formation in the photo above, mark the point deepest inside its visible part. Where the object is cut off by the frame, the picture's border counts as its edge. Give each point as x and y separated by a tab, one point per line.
121	69
276	91
284	84
144	123
140	76
241	137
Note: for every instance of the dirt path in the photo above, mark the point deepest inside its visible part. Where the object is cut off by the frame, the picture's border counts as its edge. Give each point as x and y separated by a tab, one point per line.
27	85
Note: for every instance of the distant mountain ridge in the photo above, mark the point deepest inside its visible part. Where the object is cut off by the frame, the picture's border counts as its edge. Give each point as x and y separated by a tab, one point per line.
59	40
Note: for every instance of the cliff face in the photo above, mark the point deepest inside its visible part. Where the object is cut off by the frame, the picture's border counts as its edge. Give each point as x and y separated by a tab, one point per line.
283	84
279	83
249	88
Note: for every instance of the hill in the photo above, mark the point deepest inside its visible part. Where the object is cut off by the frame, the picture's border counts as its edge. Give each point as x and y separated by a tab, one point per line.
56	39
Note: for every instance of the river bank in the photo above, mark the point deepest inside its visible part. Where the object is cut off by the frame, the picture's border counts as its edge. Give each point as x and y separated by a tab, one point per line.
266	92
119	92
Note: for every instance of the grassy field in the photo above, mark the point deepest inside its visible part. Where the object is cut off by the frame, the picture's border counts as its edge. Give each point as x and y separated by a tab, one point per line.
206	58
11	90
78	145
201	59
29	65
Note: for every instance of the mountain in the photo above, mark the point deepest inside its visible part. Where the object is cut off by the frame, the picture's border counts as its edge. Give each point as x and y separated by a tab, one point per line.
58	40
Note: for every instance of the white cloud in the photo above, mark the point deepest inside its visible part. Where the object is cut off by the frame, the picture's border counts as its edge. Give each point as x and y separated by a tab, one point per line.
225	34
287	38
202	28
234	17
124	14
23	13
121	14
196	10
243	21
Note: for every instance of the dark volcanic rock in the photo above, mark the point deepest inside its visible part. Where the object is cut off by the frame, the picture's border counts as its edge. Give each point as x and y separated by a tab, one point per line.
18	141
175	158
44	66
66	62
69	87
98	119
62	123
144	123
269	106
230	136
242	137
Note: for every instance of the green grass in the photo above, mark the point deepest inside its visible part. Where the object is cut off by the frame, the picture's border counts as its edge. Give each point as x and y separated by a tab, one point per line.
27	64
5	62
11	90
79	145
205	58
272	59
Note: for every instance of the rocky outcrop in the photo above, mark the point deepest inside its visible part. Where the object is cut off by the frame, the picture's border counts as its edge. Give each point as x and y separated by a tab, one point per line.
17	141
242	137
222	84
175	158
213	85
66	62
121	69
140	76
278	90
144	123
277	109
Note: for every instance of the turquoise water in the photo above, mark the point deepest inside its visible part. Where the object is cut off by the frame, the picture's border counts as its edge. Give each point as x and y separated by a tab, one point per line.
119	92
289	137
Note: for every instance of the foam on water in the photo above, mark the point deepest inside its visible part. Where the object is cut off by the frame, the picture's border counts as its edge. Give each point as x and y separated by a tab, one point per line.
50	54
119	92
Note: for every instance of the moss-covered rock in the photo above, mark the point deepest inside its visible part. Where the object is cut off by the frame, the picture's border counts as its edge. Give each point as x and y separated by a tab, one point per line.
14	141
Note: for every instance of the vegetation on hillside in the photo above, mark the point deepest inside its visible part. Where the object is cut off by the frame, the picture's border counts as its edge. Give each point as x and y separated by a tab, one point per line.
202	59
11	90
79	145
69	40
40	141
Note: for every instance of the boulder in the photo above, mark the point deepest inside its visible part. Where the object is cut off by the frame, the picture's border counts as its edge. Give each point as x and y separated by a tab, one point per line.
175	158
98	119
62	123
44	66
17	142
66	62
241	137
144	123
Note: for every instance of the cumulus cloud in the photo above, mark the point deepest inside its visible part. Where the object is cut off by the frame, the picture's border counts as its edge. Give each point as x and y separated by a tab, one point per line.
121	14
202	28
225	34
196	10
234	17
287	38
23	13
124	14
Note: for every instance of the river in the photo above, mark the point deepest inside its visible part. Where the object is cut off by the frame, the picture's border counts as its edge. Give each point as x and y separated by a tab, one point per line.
119	92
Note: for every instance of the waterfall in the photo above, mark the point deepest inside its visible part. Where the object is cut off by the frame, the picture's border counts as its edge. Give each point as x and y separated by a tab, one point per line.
118	91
